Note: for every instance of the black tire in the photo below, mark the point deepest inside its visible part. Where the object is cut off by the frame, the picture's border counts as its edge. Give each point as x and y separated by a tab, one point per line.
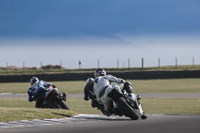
62	104
126	109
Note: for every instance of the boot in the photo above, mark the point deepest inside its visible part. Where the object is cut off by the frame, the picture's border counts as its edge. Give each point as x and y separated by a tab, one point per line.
143	116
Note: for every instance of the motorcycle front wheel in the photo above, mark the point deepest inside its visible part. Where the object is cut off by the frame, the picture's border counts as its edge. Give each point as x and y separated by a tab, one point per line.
62	104
126	109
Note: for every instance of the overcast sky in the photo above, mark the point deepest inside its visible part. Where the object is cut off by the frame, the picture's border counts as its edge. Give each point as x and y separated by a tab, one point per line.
50	31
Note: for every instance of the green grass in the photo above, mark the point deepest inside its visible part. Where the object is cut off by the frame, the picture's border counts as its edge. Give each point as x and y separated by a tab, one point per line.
19	109
171	105
17	114
150	106
64	86
4	71
191	85
76	104
139	86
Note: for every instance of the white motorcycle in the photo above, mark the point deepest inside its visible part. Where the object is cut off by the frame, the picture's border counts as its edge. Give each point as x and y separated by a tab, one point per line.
125	104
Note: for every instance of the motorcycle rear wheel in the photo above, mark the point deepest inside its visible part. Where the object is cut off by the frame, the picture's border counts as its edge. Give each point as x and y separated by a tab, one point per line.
126	109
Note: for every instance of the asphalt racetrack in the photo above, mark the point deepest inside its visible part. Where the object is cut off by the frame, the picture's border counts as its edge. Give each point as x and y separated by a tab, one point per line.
89	123
100	124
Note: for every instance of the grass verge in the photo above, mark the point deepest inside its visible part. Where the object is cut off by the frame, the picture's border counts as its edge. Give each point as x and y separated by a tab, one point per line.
150	106
20	109
17	114
190	85
171	105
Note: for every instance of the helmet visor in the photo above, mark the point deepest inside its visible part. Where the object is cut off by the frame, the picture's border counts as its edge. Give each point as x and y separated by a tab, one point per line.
33	81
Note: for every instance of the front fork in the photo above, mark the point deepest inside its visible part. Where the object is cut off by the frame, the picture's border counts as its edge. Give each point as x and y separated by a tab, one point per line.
134	98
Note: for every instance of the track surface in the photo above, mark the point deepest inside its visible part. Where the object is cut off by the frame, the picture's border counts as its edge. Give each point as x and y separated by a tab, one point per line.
98	124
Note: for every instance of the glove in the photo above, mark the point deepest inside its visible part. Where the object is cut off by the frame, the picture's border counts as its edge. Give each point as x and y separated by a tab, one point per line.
54	86
123	81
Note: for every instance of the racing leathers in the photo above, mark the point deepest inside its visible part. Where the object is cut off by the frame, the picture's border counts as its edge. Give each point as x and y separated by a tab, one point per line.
103	86
36	93
89	94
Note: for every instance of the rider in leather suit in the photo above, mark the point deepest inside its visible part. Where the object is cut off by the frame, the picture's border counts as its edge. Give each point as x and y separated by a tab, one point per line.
89	94
103	86
36	92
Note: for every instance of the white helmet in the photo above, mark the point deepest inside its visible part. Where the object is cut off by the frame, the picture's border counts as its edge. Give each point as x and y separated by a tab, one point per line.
89	80
34	81
99	72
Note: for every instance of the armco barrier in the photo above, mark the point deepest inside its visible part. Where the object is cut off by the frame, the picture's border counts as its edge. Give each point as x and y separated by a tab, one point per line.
84	76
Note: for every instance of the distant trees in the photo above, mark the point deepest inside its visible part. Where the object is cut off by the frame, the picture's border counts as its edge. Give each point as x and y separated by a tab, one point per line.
31	68
51	67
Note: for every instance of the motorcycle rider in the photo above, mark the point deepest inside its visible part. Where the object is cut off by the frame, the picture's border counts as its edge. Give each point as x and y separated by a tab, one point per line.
89	94
36	92
103	86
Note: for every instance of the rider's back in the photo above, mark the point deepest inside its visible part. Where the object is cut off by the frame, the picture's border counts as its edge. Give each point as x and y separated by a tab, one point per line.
101	82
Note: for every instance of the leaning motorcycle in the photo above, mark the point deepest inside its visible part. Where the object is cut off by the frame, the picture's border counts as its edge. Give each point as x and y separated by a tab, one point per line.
53	98
123	104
